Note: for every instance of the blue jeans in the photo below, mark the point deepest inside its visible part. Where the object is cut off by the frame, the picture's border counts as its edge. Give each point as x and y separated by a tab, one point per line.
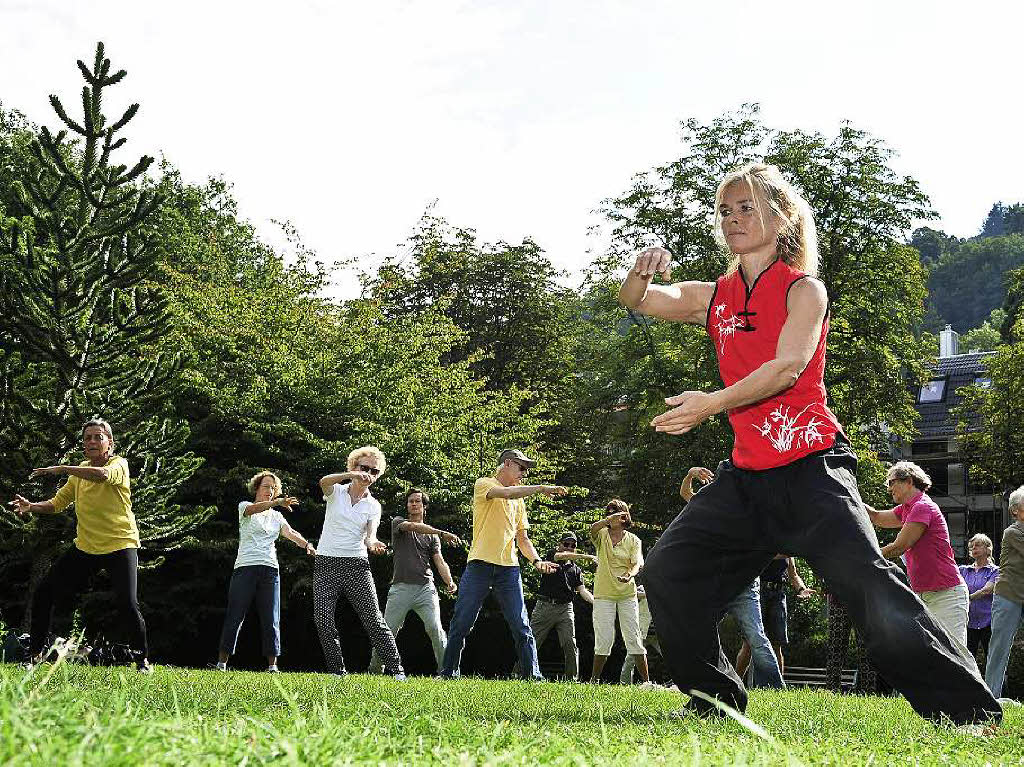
746	609
262	583
477	580
1006	617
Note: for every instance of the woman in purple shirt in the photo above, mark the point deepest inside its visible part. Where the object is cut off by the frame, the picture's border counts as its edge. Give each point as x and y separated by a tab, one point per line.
924	538
980	578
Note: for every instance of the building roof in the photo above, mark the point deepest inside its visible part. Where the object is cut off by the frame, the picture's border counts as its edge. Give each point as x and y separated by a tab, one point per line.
936	420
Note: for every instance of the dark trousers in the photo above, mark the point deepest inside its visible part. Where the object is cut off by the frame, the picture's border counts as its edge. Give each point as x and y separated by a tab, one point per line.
70	575
261	583
811	508
978	638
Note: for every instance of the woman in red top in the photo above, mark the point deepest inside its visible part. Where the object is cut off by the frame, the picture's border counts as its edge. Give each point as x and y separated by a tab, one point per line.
790	484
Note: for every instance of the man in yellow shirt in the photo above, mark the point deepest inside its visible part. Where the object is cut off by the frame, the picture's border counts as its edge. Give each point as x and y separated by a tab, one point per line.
499	526
107	536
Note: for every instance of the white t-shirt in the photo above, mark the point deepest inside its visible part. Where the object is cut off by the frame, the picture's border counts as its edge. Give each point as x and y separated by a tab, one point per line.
345	524
256	536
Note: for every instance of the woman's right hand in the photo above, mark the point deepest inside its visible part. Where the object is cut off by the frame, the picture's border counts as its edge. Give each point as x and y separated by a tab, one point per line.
287	502
21	506
622	516
653	261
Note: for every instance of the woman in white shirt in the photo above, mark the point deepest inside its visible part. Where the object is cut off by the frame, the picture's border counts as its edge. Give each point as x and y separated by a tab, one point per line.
342	563
256	575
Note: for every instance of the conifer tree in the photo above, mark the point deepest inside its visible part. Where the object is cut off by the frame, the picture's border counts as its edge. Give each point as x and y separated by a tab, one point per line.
81	322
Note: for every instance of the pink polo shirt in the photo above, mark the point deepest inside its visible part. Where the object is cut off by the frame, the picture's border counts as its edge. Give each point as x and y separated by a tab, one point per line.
930	563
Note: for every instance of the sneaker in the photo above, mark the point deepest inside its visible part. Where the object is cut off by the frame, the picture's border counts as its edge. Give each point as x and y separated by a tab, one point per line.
978	730
399	677
144	667
1008	702
273	670
339	672
217	666
649	685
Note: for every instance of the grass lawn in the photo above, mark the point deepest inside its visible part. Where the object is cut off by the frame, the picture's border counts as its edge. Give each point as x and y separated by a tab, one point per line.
111	716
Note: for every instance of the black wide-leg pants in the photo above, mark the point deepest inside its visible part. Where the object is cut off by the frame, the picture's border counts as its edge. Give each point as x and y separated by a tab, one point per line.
810	508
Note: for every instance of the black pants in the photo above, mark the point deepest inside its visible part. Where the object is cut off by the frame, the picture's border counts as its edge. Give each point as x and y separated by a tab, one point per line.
978	638
810	508
70	575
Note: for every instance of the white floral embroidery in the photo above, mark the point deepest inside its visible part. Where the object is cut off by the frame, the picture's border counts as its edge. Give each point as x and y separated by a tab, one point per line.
726	326
783	432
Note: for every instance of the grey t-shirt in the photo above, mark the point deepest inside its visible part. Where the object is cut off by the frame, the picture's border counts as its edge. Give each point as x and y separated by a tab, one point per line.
413	552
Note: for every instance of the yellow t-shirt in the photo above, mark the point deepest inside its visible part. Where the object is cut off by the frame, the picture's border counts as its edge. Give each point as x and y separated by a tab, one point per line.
104	509
495	524
613	560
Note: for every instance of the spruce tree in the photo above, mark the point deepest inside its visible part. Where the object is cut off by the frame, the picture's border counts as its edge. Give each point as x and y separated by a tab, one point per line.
81	325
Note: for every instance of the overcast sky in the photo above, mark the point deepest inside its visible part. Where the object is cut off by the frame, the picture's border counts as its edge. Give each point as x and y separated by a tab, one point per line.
350	118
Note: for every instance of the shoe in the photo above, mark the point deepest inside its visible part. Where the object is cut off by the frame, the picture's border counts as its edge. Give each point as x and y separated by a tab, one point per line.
339	672
144	667
978	730
1008	702
399	677
217	666
690	712
649	685
273	670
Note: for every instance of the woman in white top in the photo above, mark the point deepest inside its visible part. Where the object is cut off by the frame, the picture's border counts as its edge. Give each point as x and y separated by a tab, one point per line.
342	562
256	575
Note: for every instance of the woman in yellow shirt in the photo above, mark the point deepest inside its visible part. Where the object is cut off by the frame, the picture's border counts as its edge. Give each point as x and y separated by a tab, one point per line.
107	537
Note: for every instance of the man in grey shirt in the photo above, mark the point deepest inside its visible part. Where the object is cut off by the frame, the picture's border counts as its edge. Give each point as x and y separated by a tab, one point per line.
415	545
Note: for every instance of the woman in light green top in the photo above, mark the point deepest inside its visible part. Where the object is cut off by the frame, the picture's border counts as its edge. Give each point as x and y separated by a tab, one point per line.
619	559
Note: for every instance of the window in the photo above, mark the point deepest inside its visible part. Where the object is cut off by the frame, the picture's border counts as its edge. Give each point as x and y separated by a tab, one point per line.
933	391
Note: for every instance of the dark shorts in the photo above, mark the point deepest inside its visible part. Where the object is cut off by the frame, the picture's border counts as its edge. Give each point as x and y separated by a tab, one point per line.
775	615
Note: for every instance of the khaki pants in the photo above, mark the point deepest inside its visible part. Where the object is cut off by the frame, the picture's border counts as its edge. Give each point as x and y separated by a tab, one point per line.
950	607
561	617
628	611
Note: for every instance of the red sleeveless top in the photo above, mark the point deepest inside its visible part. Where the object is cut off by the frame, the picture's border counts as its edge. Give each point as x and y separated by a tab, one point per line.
745	326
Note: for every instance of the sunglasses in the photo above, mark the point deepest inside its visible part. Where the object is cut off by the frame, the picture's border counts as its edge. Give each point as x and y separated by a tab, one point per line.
371	470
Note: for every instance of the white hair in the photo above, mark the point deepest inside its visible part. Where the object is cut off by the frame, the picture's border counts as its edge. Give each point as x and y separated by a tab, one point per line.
1016	498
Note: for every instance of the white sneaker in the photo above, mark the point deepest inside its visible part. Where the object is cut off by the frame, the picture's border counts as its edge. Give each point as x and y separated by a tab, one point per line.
399	677
978	730
273	670
1008	702
649	685
144	667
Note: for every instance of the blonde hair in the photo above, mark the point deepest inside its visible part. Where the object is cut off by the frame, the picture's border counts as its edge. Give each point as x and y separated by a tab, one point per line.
982	539
359	452
257	480
797	242
905	470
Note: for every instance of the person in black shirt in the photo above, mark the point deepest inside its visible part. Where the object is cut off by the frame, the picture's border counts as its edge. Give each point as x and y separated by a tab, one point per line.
554	601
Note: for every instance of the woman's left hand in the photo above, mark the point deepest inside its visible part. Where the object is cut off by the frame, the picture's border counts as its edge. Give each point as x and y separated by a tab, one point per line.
310	549
624	578
806	593
691	409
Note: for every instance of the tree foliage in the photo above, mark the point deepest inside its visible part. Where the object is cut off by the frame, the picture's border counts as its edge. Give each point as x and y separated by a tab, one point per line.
966	285
81	324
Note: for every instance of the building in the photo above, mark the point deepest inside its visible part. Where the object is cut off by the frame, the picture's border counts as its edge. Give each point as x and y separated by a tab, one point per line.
969	507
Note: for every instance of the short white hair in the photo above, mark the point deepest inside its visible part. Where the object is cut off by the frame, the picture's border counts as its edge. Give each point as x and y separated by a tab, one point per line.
906	471
981	538
1016	498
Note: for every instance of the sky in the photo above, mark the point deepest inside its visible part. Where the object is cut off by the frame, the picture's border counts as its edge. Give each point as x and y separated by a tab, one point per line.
351	119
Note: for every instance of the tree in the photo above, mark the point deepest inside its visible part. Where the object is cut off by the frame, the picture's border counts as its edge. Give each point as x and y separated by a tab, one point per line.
967	285
933	244
986	336
81	324
995	222
506	299
1013	219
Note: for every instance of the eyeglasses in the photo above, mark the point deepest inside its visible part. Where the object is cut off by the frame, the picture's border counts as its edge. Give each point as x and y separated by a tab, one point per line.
570	544
522	469
373	471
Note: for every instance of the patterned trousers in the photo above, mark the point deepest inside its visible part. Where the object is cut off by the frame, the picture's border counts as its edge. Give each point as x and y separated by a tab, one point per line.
331	576
839	626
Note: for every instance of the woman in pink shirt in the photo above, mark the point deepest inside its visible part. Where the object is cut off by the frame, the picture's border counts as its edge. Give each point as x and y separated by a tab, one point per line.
924	538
